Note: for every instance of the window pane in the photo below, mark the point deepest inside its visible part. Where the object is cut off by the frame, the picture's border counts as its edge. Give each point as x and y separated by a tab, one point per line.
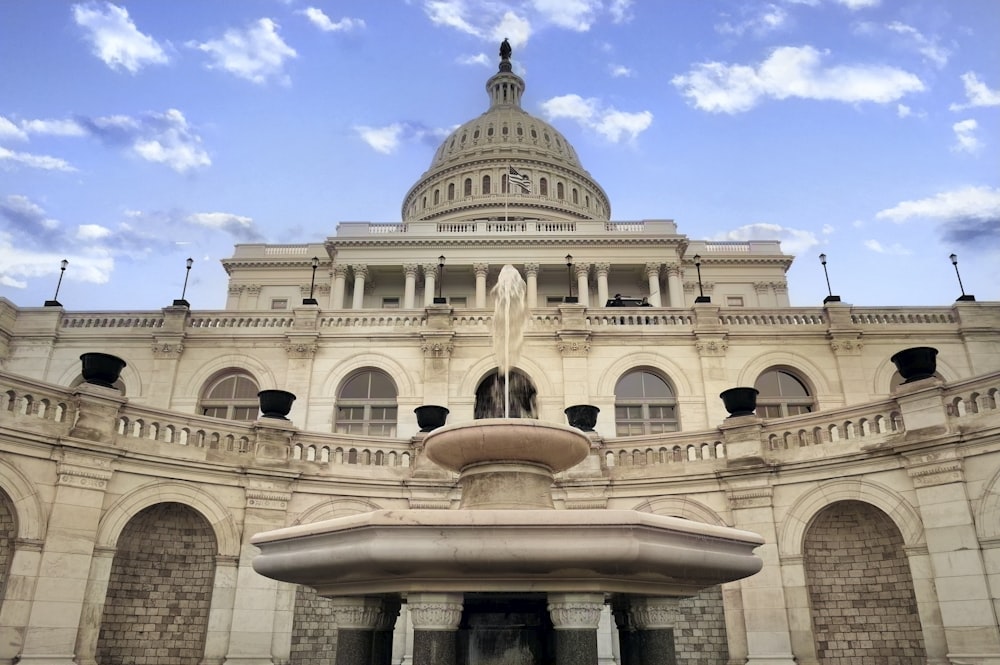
214	411
767	384
356	387
381	386
223	389
245	388
245	413
629	386
791	386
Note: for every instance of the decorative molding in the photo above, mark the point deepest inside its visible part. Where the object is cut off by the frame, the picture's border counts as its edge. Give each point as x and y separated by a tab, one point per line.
654	613
844	347
356	613
430	270
531	269
651	269
88	478
34	545
437	349
929	475
359	270
481	269
411	270
574	345
253	289
711	347
602	268
301	349
673	269
167	350
762	287
758	497
780	287
691	287
236	289
575	611
339	270
268	500
435	615
581	270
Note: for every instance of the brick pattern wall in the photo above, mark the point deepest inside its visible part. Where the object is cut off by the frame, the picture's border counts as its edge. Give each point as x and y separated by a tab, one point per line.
8	533
700	636
314	636
160	590
860	589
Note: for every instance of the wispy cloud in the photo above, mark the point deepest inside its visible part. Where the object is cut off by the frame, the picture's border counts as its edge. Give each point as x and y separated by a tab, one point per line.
239	227
493	21
388	138
477	59
43	162
965	136
163	138
976	93
879	248
791	71
855	5
620	71
612	124
620	10
318	18
9	131
115	38
926	46
257	54
756	20
968	215
577	15
794	241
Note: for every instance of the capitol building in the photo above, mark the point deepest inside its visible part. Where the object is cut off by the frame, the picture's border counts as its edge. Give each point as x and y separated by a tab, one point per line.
127	511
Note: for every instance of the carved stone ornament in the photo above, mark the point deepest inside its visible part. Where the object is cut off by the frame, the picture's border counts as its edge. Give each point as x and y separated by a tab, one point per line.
268	500
435	615
253	289
759	497
236	289
356	613
846	346
531	269
711	347
576	613
301	349
654	613
437	349
163	350
929	475
360	270
410	269
602	268
83	477
573	347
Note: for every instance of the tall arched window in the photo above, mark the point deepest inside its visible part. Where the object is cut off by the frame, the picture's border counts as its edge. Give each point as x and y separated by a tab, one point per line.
366	405
451	191
486	184
576	196
231	395
560	191
543	186
644	404
437	196
782	394
467	187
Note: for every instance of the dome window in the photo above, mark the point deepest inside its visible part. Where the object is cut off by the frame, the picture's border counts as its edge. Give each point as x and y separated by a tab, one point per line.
560	191
437	196
489	131
467	187
505	130
543	186
520	131
464	135
486	184
534	134
576	196
475	134
451	191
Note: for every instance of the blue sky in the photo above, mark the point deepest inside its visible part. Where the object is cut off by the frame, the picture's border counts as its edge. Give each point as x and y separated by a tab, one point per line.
134	134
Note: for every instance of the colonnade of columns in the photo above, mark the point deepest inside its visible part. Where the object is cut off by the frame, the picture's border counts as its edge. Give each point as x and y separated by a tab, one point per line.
581	271
365	625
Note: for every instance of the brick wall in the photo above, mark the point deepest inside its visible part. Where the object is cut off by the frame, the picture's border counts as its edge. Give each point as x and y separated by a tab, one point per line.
8	533
314	636
860	589
160	590
700	636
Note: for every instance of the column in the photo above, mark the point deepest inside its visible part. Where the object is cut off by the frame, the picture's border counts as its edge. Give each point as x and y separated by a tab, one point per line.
531	276
582	285
20	589
339	282
653	277
575	617
674	286
436	617
602	282
220	612
409	290
654	621
382	642
360	274
481	270
430	281
356	618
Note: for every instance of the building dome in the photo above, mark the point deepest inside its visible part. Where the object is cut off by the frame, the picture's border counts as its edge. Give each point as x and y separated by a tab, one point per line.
470	175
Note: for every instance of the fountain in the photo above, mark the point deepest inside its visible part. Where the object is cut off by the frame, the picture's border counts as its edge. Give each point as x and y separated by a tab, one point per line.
507	579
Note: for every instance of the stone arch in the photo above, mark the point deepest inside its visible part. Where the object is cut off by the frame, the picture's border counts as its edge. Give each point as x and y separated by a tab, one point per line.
220	518
261	372
333	508
678	506
882	377
671	370
31	518
988	513
130	376
487	364
399	375
795	524
806	368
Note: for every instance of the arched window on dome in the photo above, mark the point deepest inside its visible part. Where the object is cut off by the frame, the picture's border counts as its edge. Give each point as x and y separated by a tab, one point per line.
644	404
437	196
231	394
560	191
505	130
576	196
782	394
534	134
467	187
543	186
475	135
520	130
366	405
586	201
451	191
486	184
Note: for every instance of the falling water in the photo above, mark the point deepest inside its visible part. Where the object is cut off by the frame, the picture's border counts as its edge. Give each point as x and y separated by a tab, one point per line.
510	315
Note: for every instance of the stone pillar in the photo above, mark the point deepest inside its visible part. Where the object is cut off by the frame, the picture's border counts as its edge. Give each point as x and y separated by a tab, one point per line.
18	592
360	275
627	640
168	345
582	285
653	621
481	270
339	283
430	281
602	270
356	618
60	592
410	288
382	638
436	617
675	288
575	617
653	277
531	277
93	604
220	611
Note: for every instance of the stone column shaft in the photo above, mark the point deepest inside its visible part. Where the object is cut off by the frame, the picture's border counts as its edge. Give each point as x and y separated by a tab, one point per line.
410	287
653	277
482	269
653	621
674	286
582	283
436	617
360	274
430	282
602	282
531	277
339	285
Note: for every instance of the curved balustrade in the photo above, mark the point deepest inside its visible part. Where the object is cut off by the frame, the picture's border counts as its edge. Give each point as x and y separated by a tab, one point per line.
971	400
23	401
658	453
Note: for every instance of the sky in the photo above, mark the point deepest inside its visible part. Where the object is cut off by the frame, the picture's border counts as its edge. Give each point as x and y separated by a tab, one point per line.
135	134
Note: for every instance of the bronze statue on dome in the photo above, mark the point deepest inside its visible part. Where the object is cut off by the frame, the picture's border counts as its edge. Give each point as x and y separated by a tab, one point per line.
505	49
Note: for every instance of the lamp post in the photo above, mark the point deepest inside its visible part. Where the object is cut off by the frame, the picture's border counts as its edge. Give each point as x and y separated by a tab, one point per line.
569	280
702	298
830	297
181	302
439	300
55	299
964	297
312	284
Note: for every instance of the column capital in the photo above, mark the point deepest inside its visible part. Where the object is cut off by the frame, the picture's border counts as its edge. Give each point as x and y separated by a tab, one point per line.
339	270
652	269
654	613
360	270
481	269
356	612
435	611
581	269
531	269
575	611
673	269
602	268
430	270
411	269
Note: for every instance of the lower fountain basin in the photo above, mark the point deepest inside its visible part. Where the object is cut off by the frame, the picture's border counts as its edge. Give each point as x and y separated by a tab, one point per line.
610	551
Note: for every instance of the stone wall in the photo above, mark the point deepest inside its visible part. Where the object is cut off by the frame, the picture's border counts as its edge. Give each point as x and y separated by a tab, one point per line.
160	589
700	636
860	590
8	533
314	633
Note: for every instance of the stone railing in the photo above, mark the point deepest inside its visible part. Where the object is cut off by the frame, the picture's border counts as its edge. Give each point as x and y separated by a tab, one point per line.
137	423
848	427
902	316
105	320
343	450
375	319
967	399
678	448
768	318
23	398
228	320
637	316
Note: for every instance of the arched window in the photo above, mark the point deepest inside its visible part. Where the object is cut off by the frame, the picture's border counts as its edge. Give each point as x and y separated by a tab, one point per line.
543	186
486	184
492	391
366	405
560	191
451	191
231	395
644	404
576	196
467	187
782	394
437	196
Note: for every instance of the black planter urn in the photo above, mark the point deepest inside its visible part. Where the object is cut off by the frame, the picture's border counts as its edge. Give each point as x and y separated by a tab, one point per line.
916	363
582	416
431	416
101	369
740	401
275	403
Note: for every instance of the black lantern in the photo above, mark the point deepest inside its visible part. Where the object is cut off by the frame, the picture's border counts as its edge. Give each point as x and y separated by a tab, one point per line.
702	298
964	297
55	299
830	297
439	300
181	302
569	281
312	284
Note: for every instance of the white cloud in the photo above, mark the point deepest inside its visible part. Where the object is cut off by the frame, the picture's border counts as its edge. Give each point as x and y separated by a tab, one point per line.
967	202
768	18
791	72
240	227
477	59
451	14
926	46
92	232
324	23
115	38
162	138
827	229
620	71
257	54
8	130
965	136
793	241
382	139
895	248
17	263
513	27
976	93
855	5
903	111
53	127
26	216
577	15
589	113
43	162
620	10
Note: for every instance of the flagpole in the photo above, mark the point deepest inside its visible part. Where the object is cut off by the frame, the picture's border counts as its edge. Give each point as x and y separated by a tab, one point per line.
506	195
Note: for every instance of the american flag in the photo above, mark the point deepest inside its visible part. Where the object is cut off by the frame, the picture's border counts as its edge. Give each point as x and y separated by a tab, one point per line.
523	181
